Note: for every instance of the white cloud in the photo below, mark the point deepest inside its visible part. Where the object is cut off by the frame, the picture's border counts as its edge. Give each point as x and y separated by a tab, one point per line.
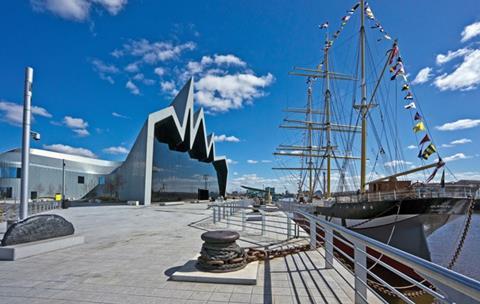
81	132
104	70
167	86
471	31
159	71
223	138
411	147
228	60
132	67
78	125
223	93
13	112
116	150
153	52
132	87
231	161
455	157
251	161
441	59
77	10
115	114
465	77
461	141
396	163
459	125
70	150
196	67
423	76
75	123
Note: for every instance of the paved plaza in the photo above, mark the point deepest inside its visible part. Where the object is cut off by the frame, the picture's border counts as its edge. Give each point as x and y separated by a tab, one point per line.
129	253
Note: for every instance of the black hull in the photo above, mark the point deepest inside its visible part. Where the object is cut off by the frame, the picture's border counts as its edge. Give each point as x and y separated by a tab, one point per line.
404	224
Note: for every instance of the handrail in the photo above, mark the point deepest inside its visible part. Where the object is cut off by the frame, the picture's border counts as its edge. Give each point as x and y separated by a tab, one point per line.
431	271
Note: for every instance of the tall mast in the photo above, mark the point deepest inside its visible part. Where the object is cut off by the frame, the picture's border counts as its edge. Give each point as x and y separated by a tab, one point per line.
310	138
327	122
363	106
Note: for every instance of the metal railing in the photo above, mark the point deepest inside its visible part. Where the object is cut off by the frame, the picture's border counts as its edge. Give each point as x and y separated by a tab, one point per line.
296	223
10	211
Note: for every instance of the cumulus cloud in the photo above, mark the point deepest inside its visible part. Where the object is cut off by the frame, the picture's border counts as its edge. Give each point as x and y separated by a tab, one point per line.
132	87
70	150
251	161
465	76
423	76
411	147
153	52
471	31
396	163
168	86
13	112
455	157
459	125
116	150
221	93
442	59
78	125
456	142
105	71
132	67
225	138
159	71
231	161
77	10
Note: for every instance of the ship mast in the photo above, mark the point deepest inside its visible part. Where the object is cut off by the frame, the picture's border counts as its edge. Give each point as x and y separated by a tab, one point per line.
363	106
309	124
327	122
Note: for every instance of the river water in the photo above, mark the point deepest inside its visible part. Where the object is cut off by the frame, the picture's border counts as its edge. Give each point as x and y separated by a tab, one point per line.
443	243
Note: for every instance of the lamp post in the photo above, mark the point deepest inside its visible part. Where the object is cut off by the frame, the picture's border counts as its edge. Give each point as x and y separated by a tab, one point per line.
27	98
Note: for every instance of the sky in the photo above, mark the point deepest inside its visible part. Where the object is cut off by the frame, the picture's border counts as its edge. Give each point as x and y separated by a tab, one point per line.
100	66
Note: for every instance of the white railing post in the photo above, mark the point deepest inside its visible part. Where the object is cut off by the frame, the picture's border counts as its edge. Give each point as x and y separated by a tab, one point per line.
244	220
360	273
264	220
228	216
214	214
289	225
313	234
328	247
224	210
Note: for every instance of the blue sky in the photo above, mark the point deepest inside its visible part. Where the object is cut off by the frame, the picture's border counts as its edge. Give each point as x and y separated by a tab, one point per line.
101	66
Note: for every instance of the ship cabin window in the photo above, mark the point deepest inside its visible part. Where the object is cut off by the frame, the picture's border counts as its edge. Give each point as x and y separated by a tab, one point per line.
81	179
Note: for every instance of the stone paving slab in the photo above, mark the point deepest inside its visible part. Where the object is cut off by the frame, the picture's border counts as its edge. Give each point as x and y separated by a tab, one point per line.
130	252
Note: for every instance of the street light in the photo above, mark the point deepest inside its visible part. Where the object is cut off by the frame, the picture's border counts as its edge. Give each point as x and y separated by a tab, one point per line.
27	115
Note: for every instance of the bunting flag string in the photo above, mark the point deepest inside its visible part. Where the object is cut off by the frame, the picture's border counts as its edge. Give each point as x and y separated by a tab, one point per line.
345	19
377	25
432	176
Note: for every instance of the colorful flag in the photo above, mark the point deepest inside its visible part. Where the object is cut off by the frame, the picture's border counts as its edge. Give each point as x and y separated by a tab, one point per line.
410	106
420	153
405	87
393	54
439	165
346	18
424	140
409	96
429	151
369	13
323	25
417	116
377	25
419	127
387	37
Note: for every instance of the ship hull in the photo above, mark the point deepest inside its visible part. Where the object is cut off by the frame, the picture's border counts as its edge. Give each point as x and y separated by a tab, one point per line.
404	224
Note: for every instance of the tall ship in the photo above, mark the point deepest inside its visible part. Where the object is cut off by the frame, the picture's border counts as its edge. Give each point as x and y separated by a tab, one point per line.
346	147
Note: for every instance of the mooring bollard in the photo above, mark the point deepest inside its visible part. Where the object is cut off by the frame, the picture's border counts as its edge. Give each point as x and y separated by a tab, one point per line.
360	273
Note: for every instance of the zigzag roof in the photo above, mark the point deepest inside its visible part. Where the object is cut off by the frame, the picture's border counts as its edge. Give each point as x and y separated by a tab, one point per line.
183	129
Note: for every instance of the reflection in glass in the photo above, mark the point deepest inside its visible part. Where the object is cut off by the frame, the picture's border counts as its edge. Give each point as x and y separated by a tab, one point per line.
176	176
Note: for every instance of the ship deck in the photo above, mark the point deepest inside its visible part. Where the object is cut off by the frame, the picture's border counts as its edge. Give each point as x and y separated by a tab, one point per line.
130	252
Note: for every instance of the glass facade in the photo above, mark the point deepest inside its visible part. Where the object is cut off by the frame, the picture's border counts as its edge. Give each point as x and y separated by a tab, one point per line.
10	172
176	176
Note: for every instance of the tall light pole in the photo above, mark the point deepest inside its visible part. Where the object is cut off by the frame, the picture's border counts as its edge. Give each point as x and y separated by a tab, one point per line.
27	99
